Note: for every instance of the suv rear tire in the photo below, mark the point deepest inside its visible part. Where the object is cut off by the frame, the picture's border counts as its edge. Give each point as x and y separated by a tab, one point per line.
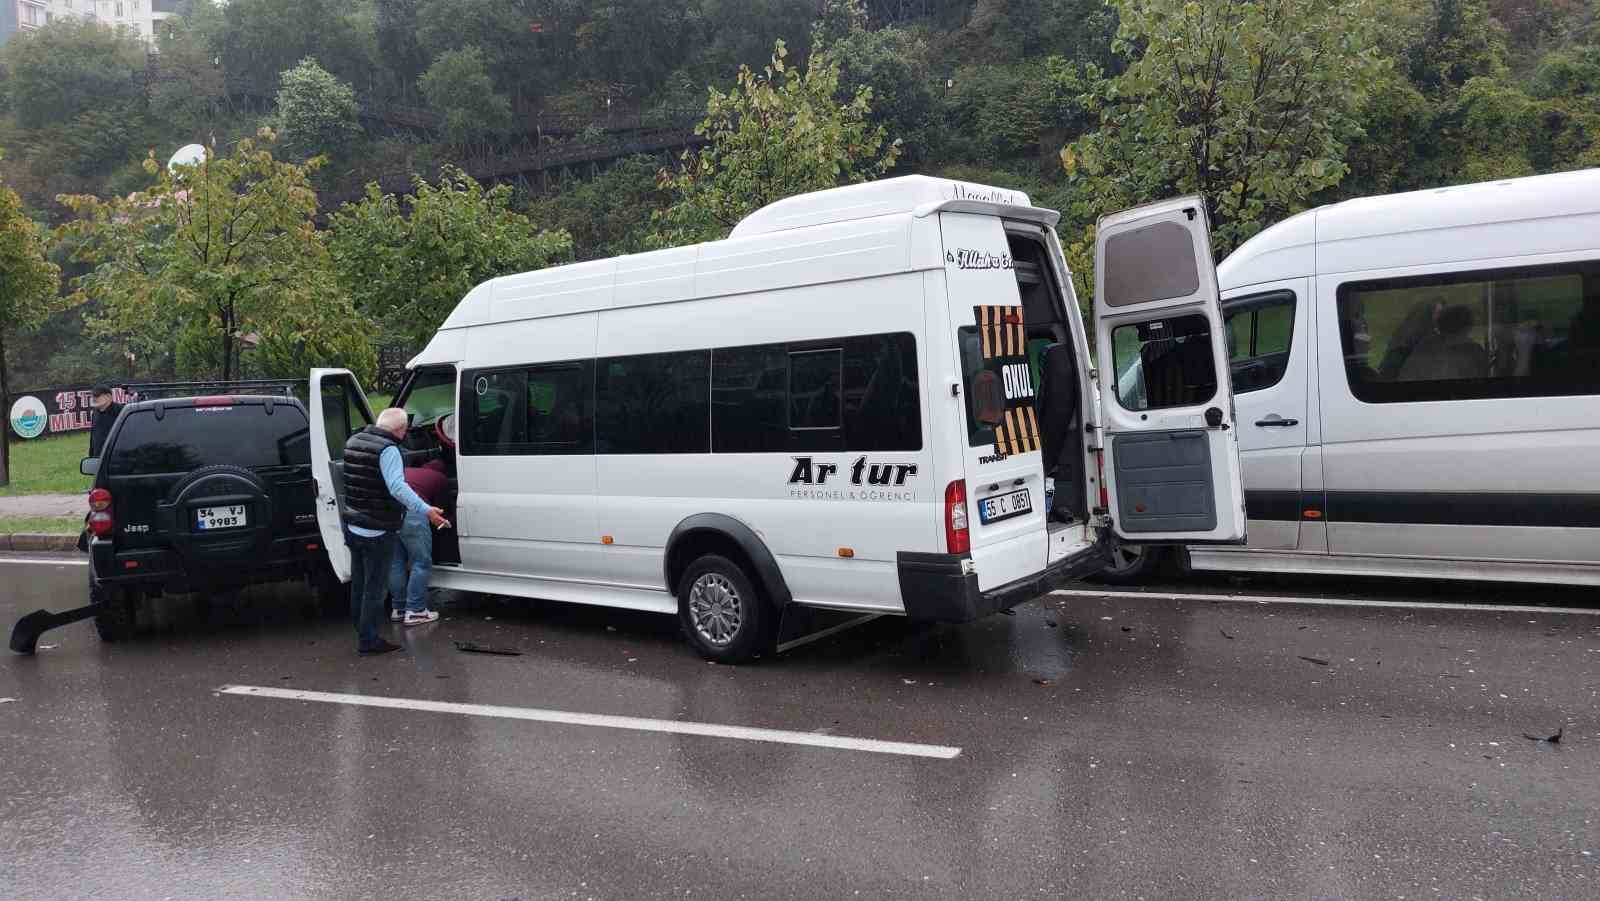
119	614
721	613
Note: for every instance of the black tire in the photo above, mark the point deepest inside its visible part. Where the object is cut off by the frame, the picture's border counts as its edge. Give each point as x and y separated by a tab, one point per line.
722	614
119	616
1133	565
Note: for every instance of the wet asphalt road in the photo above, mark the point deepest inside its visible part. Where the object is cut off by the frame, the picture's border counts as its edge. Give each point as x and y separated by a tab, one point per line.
1111	747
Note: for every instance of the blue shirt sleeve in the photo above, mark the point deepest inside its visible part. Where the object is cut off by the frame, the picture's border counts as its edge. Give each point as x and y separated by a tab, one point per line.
394	476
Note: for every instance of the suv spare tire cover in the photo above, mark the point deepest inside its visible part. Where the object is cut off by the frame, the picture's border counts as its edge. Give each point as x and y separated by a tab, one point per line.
222	484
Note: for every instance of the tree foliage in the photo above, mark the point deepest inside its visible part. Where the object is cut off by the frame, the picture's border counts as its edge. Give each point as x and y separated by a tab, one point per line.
211	257
779	132
317	113
458	87
407	262
28	282
1249	104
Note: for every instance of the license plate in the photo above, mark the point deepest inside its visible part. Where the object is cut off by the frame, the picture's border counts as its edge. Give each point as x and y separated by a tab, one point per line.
1005	506
211	518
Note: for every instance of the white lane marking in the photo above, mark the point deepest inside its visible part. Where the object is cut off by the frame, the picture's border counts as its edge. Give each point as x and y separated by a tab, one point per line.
1323	602
605	721
831	630
44	561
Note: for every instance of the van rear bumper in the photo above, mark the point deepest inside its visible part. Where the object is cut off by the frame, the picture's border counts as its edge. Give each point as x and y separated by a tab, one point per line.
934	587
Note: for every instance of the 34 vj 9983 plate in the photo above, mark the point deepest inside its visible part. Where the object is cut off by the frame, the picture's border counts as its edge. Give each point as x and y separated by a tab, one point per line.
208	519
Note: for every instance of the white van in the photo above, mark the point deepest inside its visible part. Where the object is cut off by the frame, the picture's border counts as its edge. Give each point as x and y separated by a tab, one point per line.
837	407
1417	380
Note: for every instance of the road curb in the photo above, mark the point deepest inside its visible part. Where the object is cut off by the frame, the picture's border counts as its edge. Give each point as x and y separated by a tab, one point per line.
29	541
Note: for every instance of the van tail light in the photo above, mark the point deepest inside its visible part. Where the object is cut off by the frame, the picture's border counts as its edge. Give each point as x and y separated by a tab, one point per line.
956	536
100	521
1100	476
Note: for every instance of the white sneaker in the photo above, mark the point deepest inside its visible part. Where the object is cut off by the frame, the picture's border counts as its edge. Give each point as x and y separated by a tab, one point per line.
397	616
417	619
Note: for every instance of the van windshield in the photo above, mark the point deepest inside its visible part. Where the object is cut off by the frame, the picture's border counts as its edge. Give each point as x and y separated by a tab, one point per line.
432	394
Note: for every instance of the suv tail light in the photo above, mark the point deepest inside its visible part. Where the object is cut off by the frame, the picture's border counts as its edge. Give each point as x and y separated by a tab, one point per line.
100	521
957	539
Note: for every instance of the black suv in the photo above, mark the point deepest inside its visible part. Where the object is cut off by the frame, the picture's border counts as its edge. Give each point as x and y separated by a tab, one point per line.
200	494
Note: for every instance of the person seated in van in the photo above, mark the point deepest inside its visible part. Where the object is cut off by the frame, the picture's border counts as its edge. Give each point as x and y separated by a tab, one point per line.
1420	324
1450	353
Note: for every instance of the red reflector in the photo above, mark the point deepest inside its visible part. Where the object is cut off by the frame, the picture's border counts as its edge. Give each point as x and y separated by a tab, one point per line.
101	524
312	546
1100	473
214	401
1313	514
130	564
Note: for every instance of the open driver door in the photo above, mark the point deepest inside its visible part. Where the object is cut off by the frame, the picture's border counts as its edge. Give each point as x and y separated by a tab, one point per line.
338	410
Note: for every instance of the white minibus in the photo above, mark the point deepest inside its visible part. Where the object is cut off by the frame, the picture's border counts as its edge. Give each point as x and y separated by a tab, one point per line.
876	398
1417	380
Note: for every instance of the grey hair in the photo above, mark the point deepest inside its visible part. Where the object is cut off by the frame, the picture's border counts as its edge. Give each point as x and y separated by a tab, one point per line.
393	418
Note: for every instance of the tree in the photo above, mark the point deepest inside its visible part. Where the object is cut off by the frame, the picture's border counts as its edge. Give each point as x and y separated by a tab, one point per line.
212	254
608	215
28	282
1250	104
402	54
458	87
408	261
779	132
187	89
71	66
317	113
259	39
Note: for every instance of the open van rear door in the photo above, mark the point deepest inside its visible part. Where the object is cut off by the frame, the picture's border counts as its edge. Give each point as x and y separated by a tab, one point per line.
1171	453
338	410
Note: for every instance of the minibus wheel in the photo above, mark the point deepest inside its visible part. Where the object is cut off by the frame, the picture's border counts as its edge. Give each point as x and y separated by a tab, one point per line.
1132	564
721	612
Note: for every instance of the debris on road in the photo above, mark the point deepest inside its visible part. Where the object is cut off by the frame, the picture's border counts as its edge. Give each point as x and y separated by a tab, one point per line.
1547	739
1051	623
472	647
1224	633
8	700
1317	660
1041	681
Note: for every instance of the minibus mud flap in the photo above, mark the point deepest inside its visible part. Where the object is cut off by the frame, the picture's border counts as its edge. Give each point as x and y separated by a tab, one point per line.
25	634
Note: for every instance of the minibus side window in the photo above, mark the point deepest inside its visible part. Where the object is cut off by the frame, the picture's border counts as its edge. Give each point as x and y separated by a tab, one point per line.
532	410
1260	330
654	404
1531	331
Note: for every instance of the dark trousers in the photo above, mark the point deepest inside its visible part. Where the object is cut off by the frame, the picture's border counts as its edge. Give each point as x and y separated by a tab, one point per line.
369	583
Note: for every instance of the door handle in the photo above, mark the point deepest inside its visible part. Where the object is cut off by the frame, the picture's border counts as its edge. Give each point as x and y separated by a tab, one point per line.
1278	422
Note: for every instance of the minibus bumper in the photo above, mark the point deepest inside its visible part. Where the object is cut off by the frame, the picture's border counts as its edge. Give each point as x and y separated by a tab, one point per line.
937	587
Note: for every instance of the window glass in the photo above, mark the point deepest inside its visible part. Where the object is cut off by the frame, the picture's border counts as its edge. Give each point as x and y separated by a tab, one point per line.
432	394
1164	363
185	438
529	411
1260	330
1523	332
858	393
814	377
654	404
342	414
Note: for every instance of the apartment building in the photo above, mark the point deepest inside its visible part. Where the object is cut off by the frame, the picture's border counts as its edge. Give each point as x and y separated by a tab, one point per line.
139	16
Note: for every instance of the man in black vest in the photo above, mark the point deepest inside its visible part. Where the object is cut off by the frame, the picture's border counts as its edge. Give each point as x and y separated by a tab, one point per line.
376	498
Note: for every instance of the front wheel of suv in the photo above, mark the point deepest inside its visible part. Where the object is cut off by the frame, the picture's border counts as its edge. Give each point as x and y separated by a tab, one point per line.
118	614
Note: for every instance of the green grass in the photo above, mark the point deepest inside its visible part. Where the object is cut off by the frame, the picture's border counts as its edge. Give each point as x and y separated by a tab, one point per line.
41	525
48	465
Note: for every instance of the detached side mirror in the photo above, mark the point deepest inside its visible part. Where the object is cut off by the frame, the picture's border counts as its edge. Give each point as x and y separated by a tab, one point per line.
89	465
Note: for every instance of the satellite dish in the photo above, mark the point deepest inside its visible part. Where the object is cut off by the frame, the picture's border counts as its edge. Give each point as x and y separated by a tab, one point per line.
187	155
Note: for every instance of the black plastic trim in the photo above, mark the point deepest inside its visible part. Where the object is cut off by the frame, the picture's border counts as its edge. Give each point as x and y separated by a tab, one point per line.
766	572
1528	510
1277	506
933	586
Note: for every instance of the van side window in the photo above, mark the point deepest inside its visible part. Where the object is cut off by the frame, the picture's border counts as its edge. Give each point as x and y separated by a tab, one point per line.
1531	331
545	409
1260	331
654	404
857	394
1164	363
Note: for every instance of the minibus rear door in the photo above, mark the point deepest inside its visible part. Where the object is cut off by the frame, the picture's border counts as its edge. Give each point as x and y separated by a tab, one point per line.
1170	465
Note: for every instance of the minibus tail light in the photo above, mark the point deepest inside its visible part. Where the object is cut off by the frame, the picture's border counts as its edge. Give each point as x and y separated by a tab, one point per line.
956	536
1100	475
